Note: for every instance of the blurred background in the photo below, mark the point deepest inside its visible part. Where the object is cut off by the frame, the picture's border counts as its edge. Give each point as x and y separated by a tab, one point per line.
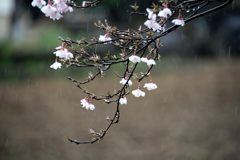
194	114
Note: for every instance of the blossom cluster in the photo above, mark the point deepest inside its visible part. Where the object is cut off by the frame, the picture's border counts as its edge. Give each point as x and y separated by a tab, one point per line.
153	23
104	38
136	59
63	54
54	9
86	103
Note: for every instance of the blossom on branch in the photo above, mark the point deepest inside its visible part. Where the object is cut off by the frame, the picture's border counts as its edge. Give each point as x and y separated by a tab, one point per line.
84	4
62	7
63	53
166	12
178	22
144	59
51	12
149	62
124	81
151	23
104	38
54	9
38	3
123	100
150	86
56	65
86	104
151	15
134	59
138	93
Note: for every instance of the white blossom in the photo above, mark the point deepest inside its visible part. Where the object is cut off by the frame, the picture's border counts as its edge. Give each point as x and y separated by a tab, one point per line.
124	81
62	7
123	100
51	11
150	86
144	59
151	15
151	24
84	3
151	62
86	104
54	9
38	3
104	38
134	59
179	22
56	65
48	10
138	93
165	12
63	53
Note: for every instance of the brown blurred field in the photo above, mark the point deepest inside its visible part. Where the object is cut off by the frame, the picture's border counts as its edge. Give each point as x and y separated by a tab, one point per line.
194	115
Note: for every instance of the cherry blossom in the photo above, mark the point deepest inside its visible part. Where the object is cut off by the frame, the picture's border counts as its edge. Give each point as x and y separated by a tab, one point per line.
151	62
63	53
62	6
54	9
179	22
84	3
86	104
151	15
51	12
138	93
151	23
150	86
165	12
38	3
104	38
124	81
134	59
56	65
144	59
123	101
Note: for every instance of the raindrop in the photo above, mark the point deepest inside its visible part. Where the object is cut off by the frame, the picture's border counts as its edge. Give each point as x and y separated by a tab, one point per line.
229	51
6	142
87	27
236	111
117	4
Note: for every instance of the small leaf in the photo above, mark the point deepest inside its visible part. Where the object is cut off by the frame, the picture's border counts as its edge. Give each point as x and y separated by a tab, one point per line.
134	7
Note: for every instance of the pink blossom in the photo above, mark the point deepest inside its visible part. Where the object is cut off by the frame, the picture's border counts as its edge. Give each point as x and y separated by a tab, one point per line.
63	53
86	104
138	93
165	12
104	38
38	3
134	59
150	86
56	65
123	100
179	22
